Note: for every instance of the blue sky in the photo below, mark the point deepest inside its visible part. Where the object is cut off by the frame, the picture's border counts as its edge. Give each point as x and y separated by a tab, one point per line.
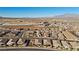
36	11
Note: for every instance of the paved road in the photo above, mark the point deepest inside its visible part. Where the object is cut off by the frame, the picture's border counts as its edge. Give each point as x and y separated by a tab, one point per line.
27	49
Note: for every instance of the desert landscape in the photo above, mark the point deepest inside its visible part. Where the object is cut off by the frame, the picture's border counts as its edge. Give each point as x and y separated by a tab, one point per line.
58	33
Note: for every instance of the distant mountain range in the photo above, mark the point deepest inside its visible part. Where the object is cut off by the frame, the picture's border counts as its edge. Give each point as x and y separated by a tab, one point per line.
64	16
67	16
